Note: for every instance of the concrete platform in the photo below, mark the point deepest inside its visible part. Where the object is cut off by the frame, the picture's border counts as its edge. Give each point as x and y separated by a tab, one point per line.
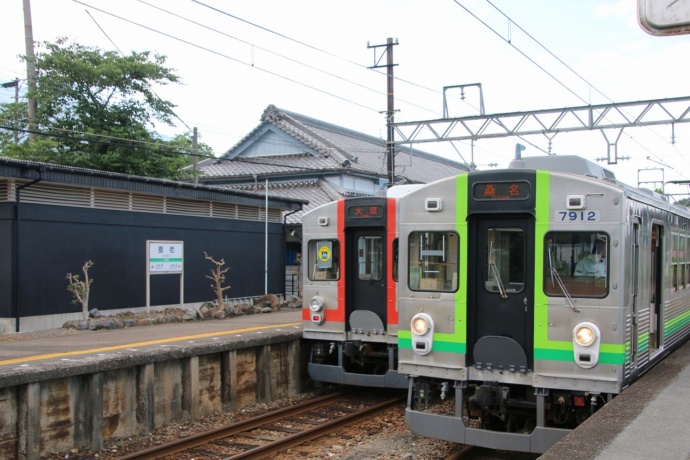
649	420
29	355
61	391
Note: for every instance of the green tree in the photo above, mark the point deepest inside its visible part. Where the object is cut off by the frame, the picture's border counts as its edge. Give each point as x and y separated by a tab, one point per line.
97	109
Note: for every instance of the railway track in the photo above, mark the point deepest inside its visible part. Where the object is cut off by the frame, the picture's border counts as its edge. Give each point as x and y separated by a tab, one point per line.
268	434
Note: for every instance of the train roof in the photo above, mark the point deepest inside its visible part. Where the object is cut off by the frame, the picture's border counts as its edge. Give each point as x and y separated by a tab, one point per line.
564	163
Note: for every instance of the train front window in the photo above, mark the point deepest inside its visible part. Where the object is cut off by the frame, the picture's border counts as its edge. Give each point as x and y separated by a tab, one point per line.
504	261
370	258
433	261
576	264
323	260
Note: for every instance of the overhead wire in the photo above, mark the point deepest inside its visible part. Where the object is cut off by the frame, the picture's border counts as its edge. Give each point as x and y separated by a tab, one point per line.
271	31
330	74
510	42
511	21
110	140
251	65
292	80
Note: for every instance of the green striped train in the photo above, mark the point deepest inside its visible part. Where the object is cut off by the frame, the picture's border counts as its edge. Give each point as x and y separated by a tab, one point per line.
529	297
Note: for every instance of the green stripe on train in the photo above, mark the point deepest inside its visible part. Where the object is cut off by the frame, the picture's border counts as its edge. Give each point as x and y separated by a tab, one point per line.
677	323
438	345
615	358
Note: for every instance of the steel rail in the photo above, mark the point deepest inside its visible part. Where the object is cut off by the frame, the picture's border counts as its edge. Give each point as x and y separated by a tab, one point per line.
201	439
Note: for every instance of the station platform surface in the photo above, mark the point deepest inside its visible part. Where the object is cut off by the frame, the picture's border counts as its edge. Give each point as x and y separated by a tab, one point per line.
27	353
648	420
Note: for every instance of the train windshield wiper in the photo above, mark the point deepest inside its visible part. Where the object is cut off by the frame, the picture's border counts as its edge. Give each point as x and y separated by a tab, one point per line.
557	278
494	271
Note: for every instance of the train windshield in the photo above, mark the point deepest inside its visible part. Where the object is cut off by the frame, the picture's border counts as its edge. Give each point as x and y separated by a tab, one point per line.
504	260
433	264
323	260
370	258
576	264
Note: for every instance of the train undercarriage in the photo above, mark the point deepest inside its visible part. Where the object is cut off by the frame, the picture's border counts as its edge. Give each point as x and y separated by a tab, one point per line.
516	417
356	363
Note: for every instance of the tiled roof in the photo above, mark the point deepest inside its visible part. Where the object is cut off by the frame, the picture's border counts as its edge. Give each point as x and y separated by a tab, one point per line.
287	164
316	191
341	149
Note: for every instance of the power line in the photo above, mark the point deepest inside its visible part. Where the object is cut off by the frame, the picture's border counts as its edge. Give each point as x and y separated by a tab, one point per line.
263	49
229	57
111	140
543	69
123	55
511	21
457	2
319	50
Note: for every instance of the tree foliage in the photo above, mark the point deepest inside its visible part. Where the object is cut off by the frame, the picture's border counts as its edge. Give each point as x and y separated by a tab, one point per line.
97	109
684	201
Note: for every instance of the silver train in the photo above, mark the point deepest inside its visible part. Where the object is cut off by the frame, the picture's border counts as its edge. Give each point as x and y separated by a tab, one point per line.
349	315
531	296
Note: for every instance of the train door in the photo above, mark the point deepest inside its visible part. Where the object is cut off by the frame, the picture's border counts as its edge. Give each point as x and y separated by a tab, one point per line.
501	280
656	288
636	267
366	272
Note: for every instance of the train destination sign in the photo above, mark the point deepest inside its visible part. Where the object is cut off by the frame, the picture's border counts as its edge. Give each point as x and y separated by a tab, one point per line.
514	190
365	212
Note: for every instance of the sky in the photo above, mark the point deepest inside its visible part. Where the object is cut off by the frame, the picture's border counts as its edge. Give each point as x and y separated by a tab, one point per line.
313	57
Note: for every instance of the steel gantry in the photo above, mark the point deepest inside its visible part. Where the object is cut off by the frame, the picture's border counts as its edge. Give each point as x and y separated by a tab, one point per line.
612	118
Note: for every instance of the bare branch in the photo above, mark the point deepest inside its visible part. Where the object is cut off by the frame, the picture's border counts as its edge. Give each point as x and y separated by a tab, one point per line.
218	277
80	289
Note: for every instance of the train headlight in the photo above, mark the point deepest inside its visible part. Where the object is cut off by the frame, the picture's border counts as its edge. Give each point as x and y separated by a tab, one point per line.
586	341
316	304
422	328
584	335
420	325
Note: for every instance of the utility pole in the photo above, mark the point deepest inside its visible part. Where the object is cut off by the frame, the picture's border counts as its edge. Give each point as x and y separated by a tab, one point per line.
195	156
390	112
30	68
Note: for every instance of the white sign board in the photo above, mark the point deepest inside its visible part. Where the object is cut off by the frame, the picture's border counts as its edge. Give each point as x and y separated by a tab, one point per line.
165	256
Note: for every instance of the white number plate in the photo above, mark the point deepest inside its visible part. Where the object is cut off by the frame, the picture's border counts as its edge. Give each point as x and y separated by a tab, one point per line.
591	215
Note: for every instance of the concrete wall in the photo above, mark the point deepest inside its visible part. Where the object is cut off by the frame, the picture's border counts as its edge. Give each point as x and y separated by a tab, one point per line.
57	407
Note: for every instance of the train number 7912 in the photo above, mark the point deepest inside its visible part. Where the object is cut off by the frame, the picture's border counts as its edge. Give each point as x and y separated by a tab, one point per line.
577	216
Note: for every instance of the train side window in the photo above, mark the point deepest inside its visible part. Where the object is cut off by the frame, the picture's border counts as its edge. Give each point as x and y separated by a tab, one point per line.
433	261
678	251
674	262
576	264
323	261
687	263
396	256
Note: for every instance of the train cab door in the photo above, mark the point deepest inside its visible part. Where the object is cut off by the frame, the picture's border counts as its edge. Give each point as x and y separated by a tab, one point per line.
501	292
656	288
366	275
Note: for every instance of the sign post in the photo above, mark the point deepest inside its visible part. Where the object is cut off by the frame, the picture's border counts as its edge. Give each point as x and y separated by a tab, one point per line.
164	258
